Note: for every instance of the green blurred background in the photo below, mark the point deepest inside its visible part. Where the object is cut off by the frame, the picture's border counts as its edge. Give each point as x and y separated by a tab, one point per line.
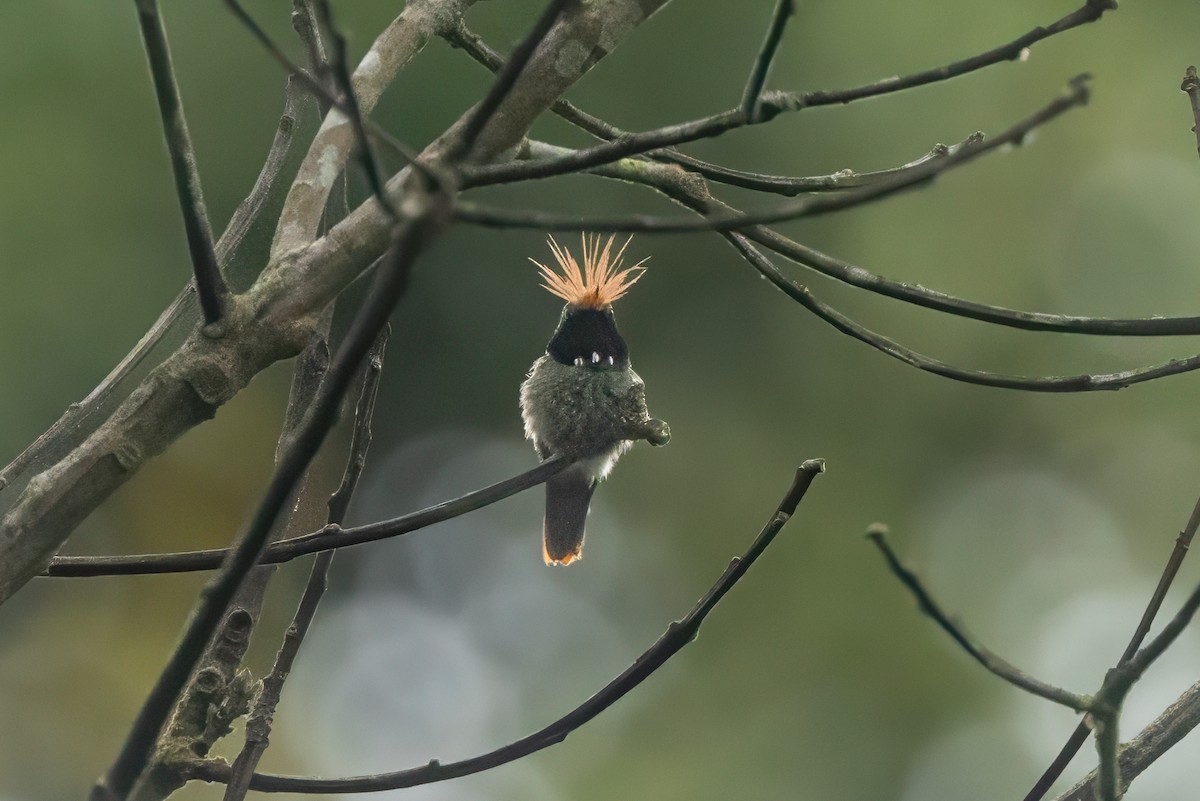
1043	520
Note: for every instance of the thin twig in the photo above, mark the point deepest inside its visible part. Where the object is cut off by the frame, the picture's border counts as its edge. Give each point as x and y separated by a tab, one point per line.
341	73
800	293
258	723
659	178
773	103
837	269
671	642
679	186
326	539
789	186
1108	744
993	663
411	235
752	96
210	284
793	185
1085	382
318	89
1075	95
1132	670
1163	733
305	25
858	276
463	38
506	79
218	681
1191	85
1015	50
178	314
249	210
1079	736
278	310
1111	696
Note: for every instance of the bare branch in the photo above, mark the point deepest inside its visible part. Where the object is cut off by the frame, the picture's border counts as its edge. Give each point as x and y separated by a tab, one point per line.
218	694
345	104
788	186
791	186
837	269
350	108
461	37
412	234
774	103
1151	743
689	191
478	118
1129	672
1076	95
181	312
670	643
1108	772
210	284
1191	85
1086	382
330	150
858	276
863	278
1117	683
1079	736
1090	11
258	723
327	538
993	663
304	23
752	97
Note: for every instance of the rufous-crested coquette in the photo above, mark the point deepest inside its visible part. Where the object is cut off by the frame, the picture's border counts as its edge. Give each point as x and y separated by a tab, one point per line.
582	399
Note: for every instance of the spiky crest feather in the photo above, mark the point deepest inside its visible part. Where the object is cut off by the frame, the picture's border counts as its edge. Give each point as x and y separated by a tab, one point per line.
599	283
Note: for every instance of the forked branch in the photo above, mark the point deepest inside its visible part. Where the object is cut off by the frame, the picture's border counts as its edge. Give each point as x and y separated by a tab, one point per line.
670	643
774	103
210	283
259	721
411	235
977	651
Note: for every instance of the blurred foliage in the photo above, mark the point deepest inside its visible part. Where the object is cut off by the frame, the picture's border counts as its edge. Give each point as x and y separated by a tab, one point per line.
1044	520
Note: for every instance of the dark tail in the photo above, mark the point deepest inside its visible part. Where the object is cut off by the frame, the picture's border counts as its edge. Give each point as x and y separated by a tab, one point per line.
567	498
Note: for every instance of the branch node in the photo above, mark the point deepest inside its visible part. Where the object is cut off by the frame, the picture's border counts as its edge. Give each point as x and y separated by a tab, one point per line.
1191	82
218	329
1079	88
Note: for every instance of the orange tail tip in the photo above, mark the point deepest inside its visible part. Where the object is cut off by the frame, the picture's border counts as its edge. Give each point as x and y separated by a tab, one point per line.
570	558
567	498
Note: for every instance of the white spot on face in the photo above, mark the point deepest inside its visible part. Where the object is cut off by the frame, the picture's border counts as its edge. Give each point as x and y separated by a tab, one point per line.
595	357
610	359
579	361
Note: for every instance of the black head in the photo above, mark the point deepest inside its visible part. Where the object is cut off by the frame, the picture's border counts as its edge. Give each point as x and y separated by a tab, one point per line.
588	338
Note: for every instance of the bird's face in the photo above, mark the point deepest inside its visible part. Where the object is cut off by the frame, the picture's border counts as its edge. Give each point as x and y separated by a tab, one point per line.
588	338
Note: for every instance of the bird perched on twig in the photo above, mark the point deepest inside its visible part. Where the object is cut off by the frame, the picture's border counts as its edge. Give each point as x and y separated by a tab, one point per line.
582	399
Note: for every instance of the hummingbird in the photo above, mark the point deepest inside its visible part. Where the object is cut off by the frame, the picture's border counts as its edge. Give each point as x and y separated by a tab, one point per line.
582	399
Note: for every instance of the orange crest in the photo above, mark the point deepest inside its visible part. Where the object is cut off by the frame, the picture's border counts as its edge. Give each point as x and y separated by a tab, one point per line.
599	283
